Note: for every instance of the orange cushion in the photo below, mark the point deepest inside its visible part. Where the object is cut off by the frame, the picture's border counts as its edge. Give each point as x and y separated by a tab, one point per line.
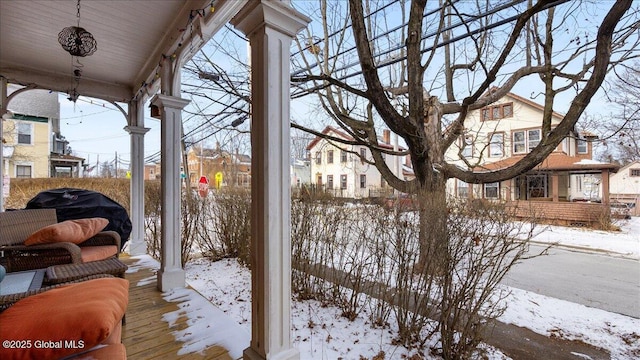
86	312
94	253
75	231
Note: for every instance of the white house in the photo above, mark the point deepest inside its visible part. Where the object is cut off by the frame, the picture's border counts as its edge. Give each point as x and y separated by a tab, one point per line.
300	172
499	135
625	186
341	169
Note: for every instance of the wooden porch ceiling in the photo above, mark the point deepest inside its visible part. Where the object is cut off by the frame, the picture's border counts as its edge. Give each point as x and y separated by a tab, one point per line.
132	38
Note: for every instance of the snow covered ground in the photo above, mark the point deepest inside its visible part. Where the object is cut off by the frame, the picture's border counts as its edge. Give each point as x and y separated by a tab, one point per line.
624	243
321	333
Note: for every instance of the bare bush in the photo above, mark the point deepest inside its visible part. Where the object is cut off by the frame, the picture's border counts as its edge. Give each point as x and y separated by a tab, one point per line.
313	231
191	211
358	256
484	242
152	211
225	225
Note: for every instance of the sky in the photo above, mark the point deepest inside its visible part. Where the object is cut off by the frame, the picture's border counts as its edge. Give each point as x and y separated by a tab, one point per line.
95	131
227	285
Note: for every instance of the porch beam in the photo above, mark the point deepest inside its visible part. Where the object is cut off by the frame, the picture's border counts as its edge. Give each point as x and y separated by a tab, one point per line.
187	43
62	83
270	27
136	130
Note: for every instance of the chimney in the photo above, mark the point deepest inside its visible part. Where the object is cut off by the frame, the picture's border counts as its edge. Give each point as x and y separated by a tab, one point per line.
386	136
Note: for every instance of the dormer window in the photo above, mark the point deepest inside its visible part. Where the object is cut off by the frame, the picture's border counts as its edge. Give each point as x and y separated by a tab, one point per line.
496	112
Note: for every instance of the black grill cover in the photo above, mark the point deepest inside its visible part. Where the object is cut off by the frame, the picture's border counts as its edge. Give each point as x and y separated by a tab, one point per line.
71	204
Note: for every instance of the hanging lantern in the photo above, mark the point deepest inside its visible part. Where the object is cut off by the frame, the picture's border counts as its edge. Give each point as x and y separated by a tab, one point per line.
76	40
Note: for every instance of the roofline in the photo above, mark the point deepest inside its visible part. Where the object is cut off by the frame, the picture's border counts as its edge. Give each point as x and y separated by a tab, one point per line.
542	166
345	136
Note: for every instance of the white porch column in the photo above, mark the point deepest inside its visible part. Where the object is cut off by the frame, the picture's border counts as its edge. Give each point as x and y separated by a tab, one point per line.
270	27
3	110
171	274
137	245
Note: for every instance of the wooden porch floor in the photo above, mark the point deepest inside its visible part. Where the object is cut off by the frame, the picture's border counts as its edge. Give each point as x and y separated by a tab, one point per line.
146	334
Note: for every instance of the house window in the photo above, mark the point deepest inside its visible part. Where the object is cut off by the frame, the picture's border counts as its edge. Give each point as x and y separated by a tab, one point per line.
634	172
363	181
363	154
519	142
329	181
582	146
462	189
497	112
496	145
343	182
467	146
491	190
330	157
525	141
537	186
343	156
534	138
23	171
507	110
24	133
318	158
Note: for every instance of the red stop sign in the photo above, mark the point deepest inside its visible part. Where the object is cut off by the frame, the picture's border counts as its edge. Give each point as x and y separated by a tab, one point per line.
203	186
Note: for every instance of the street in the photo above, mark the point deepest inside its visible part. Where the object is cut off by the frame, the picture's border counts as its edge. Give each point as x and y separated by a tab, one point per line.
595	280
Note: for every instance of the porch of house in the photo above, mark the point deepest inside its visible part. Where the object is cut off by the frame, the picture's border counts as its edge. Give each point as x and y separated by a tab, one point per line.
563	212
179	324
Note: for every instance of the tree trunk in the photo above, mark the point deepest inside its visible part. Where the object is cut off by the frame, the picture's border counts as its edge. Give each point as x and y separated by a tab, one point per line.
433	235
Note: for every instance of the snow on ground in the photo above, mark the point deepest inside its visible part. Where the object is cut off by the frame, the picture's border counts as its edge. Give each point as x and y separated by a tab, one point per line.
321	333
625	242
619	334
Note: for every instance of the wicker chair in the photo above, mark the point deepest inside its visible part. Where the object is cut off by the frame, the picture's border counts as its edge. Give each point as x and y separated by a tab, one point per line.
16	226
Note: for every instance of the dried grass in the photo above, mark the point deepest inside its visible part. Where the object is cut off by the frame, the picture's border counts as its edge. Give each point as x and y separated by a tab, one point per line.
23	190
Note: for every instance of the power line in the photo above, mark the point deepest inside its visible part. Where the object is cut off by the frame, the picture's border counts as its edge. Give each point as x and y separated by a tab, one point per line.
302	93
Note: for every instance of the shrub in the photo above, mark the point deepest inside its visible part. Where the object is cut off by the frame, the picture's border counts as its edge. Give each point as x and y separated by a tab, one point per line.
225	225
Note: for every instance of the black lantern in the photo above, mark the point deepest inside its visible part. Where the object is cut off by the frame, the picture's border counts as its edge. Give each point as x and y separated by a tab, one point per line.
76	40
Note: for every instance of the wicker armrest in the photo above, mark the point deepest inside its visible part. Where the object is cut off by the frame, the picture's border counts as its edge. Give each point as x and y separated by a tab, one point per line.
23	257
104	238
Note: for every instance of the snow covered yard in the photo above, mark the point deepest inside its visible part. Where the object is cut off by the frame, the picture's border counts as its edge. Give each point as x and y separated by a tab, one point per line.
320	332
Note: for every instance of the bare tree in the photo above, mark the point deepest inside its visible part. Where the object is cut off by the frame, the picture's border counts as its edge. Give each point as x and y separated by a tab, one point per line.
621	137
421	78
